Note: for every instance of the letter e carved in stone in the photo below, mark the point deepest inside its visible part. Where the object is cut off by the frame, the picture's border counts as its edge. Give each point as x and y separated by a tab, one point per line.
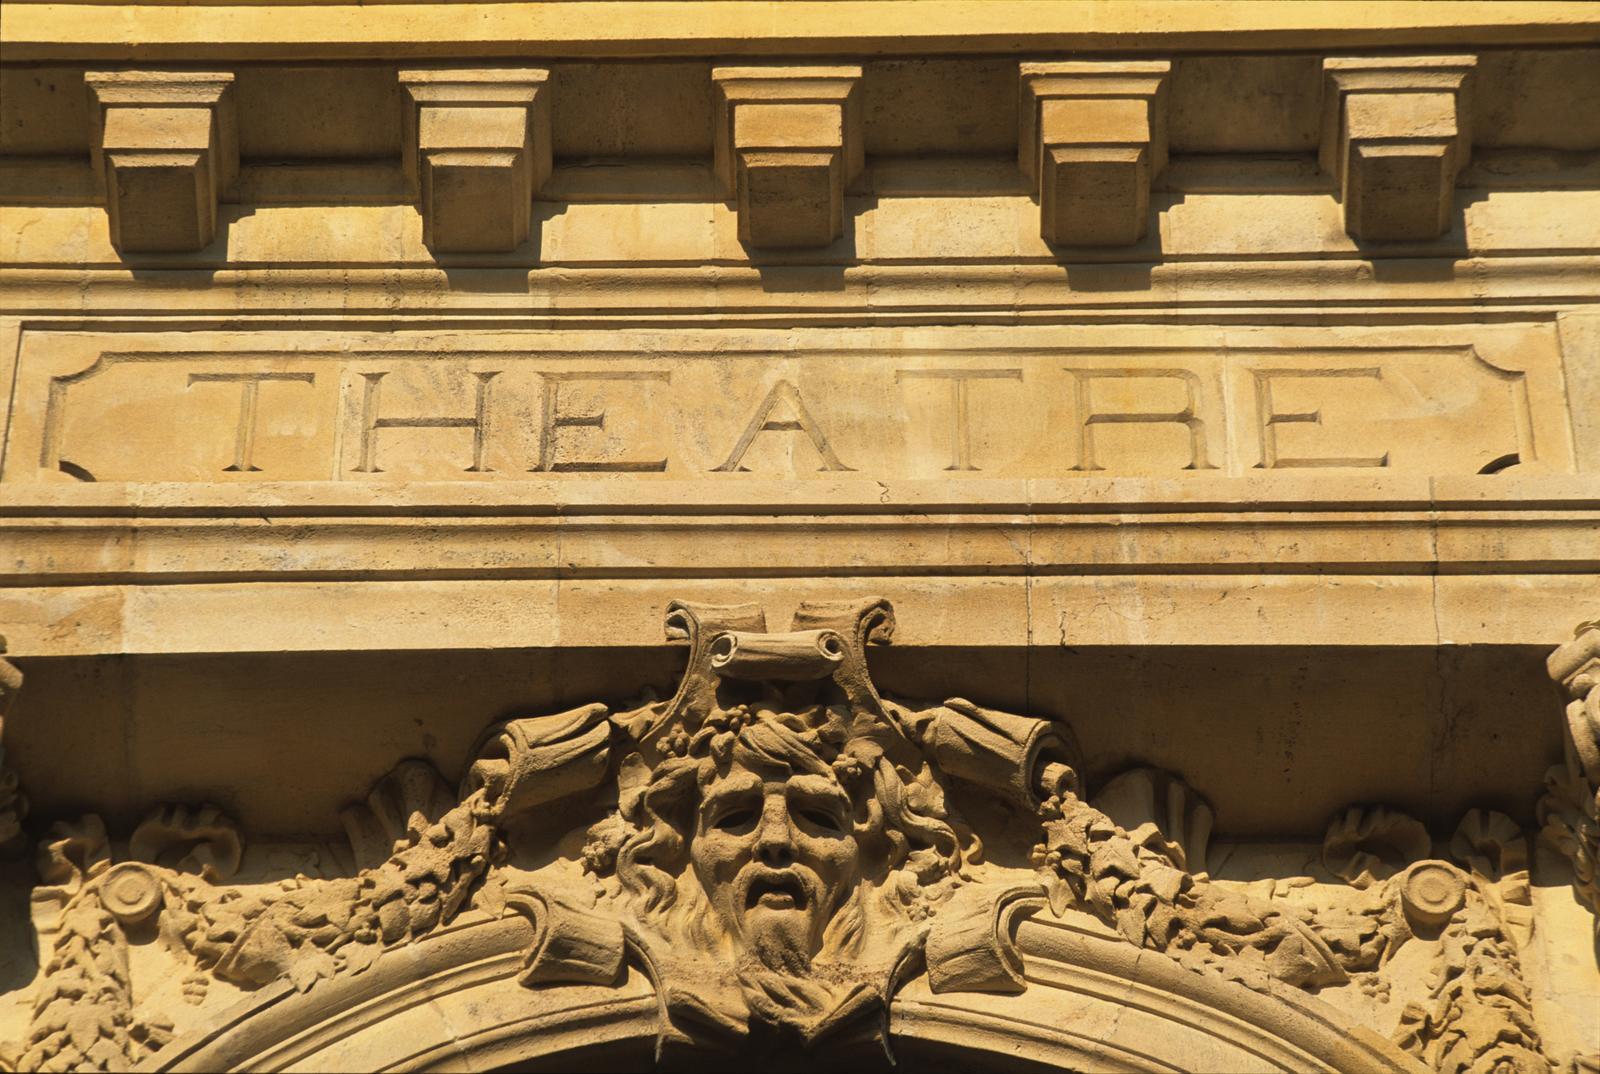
553	419
1269	417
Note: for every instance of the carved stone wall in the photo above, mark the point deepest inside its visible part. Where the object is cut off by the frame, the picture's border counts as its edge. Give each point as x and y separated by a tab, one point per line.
1120	483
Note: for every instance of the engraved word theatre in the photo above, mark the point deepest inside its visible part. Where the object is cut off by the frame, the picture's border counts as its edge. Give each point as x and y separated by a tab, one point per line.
881	404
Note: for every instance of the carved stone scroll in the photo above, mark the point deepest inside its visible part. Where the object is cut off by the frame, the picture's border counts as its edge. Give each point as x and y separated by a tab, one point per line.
165	149
1395	137
787	145
1093	136
477	150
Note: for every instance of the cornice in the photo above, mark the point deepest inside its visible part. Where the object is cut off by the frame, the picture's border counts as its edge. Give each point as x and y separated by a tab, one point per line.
38	32
758	160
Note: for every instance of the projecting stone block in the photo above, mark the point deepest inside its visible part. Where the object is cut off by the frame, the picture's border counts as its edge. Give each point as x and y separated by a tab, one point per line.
1395	137
165	148
1093	136
477	151
787	145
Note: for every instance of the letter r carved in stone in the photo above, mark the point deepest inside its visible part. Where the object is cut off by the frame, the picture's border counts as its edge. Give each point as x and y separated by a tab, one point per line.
1089	416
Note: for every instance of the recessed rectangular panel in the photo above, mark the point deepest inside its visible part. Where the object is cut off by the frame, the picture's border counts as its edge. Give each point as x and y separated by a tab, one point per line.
723	405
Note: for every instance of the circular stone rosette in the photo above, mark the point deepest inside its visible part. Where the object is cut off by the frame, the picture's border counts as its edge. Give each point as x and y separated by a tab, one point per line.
1432	892
131	892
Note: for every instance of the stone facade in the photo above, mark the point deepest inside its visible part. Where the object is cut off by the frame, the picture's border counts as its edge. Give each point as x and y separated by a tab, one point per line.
800	536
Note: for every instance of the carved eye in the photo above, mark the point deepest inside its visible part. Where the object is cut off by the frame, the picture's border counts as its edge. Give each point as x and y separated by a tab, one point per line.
735	819
821	818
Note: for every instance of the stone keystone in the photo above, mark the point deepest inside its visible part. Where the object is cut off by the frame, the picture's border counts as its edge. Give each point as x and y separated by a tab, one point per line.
1394	136
1093	136
164	148
788	143
477	150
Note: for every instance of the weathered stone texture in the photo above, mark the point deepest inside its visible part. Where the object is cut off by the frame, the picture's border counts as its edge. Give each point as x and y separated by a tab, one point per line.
800	536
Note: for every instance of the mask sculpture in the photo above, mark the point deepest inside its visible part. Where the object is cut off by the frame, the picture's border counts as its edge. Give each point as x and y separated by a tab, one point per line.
781	834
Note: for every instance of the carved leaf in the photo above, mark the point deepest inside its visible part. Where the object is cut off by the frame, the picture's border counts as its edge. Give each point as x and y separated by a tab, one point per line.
309	965
202	840
359	957
1364	845
1058	893
491	897
83	1027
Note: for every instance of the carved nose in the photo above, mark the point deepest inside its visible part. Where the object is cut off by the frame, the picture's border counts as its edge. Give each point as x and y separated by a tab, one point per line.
773	845
775	852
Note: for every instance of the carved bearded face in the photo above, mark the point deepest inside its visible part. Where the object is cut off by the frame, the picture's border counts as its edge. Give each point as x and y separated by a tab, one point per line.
777	854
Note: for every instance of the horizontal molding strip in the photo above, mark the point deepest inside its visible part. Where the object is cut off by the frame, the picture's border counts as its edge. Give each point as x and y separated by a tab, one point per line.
741	495
240	31
79	537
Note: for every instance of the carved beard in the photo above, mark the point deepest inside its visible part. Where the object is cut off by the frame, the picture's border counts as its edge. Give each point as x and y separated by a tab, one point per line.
780	940
779	983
